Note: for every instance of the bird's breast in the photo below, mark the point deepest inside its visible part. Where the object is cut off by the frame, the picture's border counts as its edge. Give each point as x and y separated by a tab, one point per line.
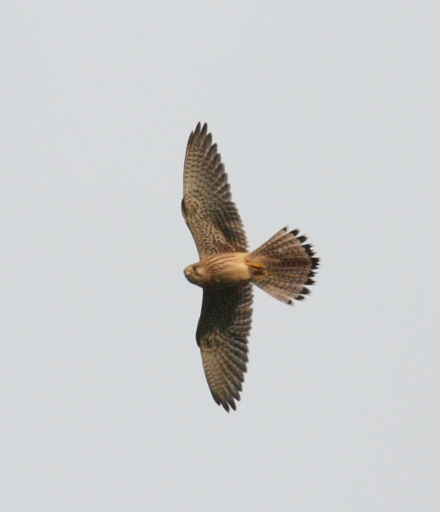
226	269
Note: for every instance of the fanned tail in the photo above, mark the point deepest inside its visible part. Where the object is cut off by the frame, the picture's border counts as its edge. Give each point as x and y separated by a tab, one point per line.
290	266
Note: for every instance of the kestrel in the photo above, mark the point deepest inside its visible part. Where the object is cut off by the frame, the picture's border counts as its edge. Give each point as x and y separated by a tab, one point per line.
282	267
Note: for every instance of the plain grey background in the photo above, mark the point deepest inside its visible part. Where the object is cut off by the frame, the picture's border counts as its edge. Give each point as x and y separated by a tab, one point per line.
327	118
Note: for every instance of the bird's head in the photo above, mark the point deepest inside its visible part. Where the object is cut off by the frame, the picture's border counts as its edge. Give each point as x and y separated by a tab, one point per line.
195	274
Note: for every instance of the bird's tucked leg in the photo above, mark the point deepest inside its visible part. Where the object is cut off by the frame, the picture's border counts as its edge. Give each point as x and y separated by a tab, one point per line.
257	269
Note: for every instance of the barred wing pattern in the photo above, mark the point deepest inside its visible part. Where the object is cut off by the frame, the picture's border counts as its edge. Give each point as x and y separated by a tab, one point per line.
211	216
224	325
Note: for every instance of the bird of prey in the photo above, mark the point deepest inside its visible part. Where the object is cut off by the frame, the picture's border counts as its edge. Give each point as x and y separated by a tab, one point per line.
283	267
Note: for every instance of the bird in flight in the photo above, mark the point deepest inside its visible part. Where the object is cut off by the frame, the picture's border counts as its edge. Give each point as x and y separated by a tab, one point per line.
283	267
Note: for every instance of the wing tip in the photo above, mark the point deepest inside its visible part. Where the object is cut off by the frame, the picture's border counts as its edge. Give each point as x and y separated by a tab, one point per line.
227	403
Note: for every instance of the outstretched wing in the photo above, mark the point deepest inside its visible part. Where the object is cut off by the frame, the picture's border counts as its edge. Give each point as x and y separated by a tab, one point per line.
212	217
224	325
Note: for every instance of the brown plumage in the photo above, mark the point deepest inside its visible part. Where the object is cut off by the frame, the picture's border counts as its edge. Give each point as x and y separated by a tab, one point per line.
282	267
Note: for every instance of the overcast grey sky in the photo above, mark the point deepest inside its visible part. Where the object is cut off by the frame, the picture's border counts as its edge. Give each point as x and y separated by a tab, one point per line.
327	118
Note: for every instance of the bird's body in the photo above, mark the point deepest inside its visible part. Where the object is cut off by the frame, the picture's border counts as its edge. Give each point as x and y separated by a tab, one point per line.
226	270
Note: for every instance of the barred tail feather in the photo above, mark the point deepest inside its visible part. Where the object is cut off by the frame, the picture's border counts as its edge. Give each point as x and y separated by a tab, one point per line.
289	263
